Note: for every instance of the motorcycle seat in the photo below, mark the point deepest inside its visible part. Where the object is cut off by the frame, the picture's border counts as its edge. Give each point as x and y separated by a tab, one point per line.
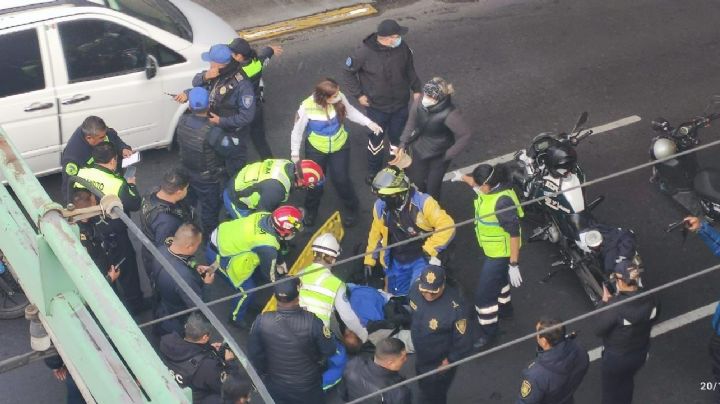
707	184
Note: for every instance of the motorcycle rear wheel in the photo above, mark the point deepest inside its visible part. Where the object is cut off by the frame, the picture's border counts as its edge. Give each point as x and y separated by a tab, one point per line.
12	298
590	285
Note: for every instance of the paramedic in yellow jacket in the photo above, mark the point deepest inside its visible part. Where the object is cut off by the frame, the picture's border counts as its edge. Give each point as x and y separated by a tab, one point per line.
402	212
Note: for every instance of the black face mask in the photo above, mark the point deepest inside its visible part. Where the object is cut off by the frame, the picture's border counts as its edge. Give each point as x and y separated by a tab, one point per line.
394	201
229	68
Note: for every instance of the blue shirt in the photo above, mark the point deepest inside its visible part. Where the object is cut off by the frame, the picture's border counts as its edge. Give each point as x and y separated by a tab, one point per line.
367	303
711	237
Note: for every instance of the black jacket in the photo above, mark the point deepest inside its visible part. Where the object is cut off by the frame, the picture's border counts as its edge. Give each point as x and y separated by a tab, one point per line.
627	328
197	366
77	154
160	219
289	347
363	376
385	75
555	375
196	154
172	298
617	244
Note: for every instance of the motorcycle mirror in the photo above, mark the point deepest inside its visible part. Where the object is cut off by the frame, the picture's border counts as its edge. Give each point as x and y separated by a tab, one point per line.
580	122
659	124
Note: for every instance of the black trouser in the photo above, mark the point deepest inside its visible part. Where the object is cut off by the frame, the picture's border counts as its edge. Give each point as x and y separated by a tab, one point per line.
715	358
284	395
392	124
618	375
427	174
237	154
129	280
257	133
434	388
335	165
209	195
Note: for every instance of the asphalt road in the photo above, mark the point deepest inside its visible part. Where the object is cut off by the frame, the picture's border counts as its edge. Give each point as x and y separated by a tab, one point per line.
520	68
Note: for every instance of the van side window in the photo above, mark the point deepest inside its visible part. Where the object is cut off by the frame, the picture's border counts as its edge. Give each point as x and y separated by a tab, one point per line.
97	48
21	69
163	54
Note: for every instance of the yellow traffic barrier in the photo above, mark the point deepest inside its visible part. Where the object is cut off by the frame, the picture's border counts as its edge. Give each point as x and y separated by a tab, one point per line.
332	225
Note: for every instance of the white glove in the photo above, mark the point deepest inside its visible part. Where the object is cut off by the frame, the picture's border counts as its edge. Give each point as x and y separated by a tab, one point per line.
375	128
281	268
434	261
295	158
515	277
457	176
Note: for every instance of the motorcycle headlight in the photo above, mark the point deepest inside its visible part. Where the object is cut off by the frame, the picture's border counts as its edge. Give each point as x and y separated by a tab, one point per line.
684	130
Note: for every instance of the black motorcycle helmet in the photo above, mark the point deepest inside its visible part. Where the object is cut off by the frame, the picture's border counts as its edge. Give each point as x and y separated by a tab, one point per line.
391	185
560	156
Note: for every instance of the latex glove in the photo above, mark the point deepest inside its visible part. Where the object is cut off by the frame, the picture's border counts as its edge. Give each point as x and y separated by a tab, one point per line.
295	158
457	176
281	269
515	277
435	261
375	128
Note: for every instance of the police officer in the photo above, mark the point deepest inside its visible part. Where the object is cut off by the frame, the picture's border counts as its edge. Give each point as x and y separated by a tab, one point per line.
264	185
440	331
612	244
558	370
78	150
402	212
247	251
499	237
195	362
179	253
288	348
625	331
205	167
380	74
232	101
163	211
103	176
322	293
250	64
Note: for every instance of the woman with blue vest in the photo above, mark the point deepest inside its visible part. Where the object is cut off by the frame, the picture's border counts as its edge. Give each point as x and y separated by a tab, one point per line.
321	122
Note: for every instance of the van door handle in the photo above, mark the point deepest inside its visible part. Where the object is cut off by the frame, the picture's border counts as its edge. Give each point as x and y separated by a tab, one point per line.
75	99
35	106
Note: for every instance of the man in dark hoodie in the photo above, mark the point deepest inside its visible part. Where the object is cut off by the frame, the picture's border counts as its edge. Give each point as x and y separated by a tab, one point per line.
625	331
380	74
559	369
195	362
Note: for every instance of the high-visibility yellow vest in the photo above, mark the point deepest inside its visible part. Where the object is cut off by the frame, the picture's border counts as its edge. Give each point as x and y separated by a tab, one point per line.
105	182
318	290
253	68
275	169
324	130
494	241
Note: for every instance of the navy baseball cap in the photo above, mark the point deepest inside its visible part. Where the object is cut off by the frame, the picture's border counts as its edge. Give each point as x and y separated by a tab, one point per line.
627	270
432	279
391	27
198	99
240	46
287	291
219	53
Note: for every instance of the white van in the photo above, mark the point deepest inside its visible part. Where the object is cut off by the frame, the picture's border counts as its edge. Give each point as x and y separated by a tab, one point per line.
61	61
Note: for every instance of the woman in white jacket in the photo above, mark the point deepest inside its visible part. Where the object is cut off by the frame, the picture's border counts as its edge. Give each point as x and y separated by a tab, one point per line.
320	121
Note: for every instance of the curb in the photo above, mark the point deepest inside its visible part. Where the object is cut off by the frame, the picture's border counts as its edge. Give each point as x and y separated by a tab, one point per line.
303	23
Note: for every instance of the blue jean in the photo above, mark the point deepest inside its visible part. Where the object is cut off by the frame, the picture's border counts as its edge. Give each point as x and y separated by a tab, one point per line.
392	124
492	294
234	209
400	275
336	365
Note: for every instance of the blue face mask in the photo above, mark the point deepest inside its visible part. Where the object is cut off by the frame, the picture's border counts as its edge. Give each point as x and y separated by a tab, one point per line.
396	43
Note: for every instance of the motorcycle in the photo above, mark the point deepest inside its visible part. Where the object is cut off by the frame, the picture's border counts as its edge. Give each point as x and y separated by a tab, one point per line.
564	217
12	298
696	190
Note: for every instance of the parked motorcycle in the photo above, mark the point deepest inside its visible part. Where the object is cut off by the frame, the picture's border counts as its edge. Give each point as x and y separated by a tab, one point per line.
12	298
696	190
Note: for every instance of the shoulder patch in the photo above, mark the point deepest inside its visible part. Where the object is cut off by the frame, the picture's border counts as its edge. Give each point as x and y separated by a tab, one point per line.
413	305
71	169
349	61
247	100
461	326
326	332
525	388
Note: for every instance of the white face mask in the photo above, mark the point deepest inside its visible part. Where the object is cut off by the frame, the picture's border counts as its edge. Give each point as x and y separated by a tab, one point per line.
428	102
334	100
396	43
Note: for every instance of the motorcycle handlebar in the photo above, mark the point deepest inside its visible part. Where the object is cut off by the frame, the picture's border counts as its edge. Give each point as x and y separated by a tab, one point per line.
580	136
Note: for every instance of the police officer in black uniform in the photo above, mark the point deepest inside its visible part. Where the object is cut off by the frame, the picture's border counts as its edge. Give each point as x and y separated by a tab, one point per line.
250	65
195	362
78	150
559	369
288	348
440	331
625	331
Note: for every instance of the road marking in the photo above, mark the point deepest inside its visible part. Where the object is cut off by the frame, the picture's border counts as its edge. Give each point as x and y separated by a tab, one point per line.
669	325
507	157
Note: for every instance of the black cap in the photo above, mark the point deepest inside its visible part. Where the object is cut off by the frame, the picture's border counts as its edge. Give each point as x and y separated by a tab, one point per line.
432	279
240	46
391	27
627	270
287	290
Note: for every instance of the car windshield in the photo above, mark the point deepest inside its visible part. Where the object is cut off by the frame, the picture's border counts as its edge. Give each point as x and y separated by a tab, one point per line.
160	13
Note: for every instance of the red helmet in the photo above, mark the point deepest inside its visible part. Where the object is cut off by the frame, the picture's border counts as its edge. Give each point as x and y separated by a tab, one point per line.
287	221
309	174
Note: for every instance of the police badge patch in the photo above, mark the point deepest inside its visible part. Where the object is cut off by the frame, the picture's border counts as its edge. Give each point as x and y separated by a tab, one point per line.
461	326
247	100
433	324
71	169
326	332
348	62
525	388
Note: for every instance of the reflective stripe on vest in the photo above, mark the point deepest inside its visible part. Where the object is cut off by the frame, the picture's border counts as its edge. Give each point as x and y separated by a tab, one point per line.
254	173
493	239
236	240
318	291
324	130
106	183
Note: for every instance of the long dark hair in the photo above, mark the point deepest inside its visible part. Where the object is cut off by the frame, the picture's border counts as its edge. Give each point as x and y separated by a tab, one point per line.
325	89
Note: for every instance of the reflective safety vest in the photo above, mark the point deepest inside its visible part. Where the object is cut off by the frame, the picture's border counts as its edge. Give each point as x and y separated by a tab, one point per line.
270	169
236	240
105	182
318	290
252	69
493	239
324	130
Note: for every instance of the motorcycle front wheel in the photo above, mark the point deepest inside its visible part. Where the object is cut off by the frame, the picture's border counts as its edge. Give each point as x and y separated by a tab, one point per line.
12	298
591	286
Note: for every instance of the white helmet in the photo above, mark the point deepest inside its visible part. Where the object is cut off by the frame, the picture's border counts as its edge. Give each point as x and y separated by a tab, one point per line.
663	147
591	238
327	244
